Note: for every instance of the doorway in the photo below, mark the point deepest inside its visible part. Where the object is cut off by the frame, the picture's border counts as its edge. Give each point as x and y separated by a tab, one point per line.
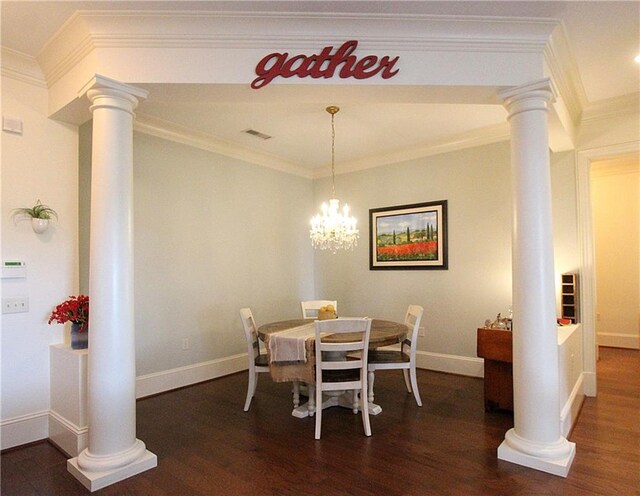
615	196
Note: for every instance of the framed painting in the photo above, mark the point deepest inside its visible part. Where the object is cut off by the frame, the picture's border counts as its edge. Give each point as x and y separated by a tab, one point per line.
408	237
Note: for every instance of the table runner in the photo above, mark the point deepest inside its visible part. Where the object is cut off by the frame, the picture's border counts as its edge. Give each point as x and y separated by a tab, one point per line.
290	345
301	370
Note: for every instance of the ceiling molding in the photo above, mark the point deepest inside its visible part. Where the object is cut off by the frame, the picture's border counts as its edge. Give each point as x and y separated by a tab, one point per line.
66	49
276	42
21	67
178	134
470	139
563	70
611	108
86	31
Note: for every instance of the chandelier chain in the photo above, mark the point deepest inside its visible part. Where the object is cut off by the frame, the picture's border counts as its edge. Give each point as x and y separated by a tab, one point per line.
333	154
333	229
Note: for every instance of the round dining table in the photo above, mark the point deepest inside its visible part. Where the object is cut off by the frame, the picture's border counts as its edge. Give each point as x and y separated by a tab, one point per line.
383	333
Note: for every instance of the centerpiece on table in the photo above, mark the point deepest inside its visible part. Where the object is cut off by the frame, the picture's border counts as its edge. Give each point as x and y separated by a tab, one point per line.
76	311
327	312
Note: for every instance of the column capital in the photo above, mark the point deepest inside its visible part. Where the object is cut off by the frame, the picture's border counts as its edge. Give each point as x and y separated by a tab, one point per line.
531	96
103	91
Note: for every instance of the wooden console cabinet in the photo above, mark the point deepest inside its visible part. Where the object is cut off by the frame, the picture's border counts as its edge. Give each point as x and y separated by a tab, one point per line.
495	346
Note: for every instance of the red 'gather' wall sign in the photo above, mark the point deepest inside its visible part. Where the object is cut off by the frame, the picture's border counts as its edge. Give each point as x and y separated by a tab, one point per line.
324	65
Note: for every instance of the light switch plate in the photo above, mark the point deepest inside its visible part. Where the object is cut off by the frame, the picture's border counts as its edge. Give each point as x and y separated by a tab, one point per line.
15	305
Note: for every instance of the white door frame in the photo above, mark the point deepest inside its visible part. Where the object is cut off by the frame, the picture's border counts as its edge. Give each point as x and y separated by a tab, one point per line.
587	254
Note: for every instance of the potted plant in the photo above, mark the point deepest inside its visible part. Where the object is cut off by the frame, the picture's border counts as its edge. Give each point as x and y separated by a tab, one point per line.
76	311
39	214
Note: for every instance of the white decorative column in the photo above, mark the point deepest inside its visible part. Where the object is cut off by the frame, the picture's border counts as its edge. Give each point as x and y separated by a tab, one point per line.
536	440
113	452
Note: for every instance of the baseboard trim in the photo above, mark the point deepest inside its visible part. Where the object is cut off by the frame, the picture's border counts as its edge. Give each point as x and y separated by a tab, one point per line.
614	340
452	364
590	384
66	435
160	382
24	429
72	439
571	409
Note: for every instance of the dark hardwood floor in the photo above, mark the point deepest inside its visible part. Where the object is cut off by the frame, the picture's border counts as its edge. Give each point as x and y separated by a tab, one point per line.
206	444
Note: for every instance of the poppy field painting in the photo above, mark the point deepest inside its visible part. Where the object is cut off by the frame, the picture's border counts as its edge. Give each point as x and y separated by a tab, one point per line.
409	236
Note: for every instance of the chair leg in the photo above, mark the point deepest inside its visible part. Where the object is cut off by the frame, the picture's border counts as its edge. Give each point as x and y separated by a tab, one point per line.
405	373
251	389
371	376
296	394
319	412
414	383
365	413
356	403
255	383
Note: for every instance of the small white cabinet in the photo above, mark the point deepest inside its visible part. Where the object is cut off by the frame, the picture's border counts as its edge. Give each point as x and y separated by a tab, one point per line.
68	416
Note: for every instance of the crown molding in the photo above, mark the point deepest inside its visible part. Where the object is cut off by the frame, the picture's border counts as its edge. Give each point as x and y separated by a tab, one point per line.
611	108
179	134
470	139
21	67
563	71
66	48
163	129
86	31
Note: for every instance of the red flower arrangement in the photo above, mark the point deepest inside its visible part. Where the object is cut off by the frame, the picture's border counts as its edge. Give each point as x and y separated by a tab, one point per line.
75	310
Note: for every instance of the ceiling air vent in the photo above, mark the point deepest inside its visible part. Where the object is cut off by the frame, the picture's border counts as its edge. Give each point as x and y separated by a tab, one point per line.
257	134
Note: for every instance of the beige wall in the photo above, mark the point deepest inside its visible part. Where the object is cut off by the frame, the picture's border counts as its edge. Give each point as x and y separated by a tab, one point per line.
477	184
211	235
615	187
41	163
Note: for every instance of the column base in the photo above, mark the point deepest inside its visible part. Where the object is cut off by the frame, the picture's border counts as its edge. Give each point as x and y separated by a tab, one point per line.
97	480
545	462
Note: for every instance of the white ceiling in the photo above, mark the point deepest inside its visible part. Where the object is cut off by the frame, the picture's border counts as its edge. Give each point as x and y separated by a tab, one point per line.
604	38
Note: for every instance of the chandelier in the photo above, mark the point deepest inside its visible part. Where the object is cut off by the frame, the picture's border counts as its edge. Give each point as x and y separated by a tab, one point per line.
332	229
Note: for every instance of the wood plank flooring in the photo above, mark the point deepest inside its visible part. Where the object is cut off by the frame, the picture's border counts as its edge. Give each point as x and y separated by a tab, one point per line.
206	444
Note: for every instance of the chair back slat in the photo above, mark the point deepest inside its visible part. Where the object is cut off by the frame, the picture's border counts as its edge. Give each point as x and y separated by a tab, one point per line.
348	346
342	365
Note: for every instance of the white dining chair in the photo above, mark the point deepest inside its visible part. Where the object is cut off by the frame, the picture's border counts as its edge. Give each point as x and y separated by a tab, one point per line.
335	371
310	307
258	361
403	359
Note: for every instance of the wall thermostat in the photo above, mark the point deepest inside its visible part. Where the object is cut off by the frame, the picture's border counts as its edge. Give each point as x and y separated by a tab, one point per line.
12	269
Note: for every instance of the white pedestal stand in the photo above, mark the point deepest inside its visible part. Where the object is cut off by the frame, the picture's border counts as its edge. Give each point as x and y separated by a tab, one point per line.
342	399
